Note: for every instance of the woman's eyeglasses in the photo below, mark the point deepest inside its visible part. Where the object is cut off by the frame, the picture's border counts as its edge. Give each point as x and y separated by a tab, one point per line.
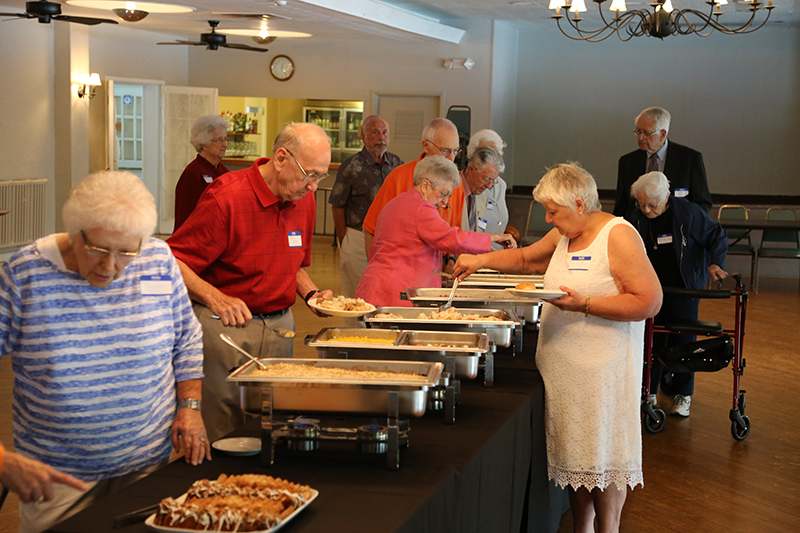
103	253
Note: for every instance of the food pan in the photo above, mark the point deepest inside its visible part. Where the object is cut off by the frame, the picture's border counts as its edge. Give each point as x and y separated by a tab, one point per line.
499	331
464	348
345	395
500	281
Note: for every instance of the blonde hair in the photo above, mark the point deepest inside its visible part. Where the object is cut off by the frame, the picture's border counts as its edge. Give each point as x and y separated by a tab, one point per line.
565	182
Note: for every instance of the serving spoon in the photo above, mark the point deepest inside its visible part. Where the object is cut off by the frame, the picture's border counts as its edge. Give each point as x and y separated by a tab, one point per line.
280	332
228	340
449	303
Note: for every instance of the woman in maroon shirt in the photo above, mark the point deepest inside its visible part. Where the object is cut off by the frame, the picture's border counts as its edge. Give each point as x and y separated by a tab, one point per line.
210	139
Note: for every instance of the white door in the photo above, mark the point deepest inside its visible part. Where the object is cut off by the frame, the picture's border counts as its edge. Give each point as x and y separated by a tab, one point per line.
129	125
182	106
407	116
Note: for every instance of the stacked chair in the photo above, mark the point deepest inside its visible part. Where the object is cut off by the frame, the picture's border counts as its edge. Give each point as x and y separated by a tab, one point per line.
739	239
776	243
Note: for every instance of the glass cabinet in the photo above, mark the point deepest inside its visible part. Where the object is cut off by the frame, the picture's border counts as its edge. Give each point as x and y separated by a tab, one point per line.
342	126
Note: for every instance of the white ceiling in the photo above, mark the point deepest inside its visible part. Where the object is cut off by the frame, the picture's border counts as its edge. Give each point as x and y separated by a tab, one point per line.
331	23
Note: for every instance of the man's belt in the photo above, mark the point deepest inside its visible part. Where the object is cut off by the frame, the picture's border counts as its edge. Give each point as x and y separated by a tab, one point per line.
269	316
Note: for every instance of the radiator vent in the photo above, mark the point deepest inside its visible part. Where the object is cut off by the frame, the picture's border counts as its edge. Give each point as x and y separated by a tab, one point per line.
25	201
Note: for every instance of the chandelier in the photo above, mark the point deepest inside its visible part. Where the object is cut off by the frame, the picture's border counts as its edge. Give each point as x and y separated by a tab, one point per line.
663	20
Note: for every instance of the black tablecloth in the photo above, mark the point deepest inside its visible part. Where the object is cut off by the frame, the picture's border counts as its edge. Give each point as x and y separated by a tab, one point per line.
486	472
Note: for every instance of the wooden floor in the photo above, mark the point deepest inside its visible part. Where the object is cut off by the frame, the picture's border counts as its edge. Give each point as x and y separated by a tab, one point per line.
697	477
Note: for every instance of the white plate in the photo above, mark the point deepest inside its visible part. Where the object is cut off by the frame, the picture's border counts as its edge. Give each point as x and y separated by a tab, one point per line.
537	293
238	446
164	529
335	312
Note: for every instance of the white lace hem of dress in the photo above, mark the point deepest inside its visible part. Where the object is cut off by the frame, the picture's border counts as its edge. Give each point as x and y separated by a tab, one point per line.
581	478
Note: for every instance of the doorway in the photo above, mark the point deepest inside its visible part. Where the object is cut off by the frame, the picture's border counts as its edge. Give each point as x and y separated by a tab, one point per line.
407	116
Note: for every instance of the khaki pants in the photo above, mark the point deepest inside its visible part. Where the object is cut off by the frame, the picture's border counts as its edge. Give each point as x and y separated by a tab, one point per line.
222	411
352	260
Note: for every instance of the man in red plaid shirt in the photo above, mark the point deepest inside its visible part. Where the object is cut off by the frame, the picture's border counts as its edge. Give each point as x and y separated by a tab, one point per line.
243	253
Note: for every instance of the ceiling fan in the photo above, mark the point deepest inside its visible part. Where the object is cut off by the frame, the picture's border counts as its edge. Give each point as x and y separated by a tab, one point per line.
264	37
213	40
46	11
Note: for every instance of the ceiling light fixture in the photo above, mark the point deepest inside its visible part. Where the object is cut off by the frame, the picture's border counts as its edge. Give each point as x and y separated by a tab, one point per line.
131	11
661	22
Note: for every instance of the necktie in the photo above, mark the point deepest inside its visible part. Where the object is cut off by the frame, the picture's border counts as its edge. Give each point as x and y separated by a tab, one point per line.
471	211
652	163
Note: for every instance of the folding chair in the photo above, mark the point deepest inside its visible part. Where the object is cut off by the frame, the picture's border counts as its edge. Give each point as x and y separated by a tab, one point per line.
739	239
787	241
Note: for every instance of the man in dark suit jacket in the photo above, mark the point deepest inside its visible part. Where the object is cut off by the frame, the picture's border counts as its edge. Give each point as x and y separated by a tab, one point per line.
683	166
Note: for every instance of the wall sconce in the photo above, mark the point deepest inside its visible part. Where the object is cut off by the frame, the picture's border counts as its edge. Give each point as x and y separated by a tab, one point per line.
459	63
87	84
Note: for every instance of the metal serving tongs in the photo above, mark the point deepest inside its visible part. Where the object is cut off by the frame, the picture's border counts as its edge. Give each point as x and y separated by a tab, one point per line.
228	340
449	303
280	332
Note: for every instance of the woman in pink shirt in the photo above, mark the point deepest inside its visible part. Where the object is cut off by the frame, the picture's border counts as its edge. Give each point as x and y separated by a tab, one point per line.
410	237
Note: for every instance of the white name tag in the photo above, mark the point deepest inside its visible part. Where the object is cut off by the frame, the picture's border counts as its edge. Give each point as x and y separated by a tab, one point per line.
208	178
580	262
156	285
482	223
664	239
681	193
295	239
490	206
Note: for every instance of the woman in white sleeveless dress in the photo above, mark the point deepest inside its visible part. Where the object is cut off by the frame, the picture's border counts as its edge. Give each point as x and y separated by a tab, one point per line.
590	342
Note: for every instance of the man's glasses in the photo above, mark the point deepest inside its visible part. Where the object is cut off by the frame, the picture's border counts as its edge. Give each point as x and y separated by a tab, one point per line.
103	253
642	133
651	207
308	178
446	151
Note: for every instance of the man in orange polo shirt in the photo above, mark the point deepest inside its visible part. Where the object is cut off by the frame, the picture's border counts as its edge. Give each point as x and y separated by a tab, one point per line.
440	137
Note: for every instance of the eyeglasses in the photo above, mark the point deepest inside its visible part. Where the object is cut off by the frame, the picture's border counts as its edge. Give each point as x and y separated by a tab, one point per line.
103	253
446	151
651	207
444	195
220	140
642	133
308	178
487	180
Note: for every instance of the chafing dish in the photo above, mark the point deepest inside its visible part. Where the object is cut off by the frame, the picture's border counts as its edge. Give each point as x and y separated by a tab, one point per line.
499	331
395	398
464	348
342	395
499	281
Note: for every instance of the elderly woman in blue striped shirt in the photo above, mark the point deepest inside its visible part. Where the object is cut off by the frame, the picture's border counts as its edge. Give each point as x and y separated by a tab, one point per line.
106	352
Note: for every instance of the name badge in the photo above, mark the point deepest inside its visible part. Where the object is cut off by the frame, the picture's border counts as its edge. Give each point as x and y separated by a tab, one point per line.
681	193
482	224
580	262
490	206
208	178
295	239
156	285
664	239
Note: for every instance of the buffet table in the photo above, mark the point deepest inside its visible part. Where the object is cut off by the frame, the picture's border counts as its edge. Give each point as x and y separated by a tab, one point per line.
487	472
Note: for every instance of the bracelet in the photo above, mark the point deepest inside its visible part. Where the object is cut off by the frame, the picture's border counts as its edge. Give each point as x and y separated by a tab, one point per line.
586	312
190	403
310	294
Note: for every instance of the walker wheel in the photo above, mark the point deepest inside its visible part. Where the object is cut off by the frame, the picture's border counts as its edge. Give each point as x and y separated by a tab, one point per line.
739	432
655	424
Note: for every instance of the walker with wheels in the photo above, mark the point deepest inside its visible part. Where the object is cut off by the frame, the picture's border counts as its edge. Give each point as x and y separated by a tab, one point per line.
713	353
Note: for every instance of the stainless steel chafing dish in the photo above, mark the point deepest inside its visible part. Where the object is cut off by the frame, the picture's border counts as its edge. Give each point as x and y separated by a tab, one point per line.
498	280
353	396
527	308
464	348
499	331
395	398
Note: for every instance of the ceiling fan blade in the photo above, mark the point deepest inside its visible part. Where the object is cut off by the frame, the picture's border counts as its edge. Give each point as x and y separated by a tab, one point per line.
253	15
20	15
193	43
244	47
89	21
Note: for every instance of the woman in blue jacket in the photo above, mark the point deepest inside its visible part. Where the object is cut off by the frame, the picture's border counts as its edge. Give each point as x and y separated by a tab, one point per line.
686	248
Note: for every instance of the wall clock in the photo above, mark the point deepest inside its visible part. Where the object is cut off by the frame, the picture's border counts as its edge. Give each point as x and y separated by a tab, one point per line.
282	67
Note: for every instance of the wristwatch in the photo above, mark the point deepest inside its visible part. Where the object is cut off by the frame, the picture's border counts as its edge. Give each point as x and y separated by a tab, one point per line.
310	294
190	403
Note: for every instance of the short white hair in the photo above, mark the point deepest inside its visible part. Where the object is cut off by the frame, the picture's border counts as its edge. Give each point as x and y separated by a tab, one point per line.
488	138
438	170
659	115
115	201
653	185
206	129
565	182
